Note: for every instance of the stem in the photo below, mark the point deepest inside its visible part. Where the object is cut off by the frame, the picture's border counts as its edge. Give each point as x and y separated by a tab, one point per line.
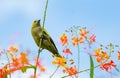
45	13
54	72
35	70
78	48
78	57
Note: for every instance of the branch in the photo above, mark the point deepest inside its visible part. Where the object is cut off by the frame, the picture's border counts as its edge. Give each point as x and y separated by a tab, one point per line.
45	13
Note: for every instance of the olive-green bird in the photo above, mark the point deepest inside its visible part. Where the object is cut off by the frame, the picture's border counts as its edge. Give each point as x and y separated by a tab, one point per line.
39	33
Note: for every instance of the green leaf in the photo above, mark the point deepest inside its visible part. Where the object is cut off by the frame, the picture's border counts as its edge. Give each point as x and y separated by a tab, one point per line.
24	69
91	67
117	69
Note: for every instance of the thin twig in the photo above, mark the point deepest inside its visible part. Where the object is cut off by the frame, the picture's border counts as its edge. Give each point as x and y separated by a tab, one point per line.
35	70
78	48
80	72
78	56
54	72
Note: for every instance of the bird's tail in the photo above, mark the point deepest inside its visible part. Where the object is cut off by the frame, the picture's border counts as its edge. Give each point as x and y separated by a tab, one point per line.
56	55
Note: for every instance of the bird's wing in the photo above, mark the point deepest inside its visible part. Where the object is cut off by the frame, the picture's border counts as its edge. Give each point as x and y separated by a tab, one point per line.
51	40
53	43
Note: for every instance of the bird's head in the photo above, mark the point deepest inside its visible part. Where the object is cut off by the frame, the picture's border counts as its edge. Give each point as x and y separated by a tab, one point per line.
36	23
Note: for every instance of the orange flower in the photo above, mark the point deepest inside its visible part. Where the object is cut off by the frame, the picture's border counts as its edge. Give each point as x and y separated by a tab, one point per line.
80	40
20	61
42	69
104	55
70	70
118	55
100	55
92	38
67	51
61	61
3	73
13	49
108	65
39	64
64	39
74	41
24	59
83	33
97	52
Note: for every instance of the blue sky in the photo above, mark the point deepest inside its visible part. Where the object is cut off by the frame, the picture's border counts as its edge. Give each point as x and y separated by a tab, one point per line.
16	17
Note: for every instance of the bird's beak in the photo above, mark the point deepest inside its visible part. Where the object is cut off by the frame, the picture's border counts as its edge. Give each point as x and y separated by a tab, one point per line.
39	21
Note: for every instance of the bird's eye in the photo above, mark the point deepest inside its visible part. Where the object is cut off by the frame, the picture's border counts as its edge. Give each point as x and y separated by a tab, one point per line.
35	21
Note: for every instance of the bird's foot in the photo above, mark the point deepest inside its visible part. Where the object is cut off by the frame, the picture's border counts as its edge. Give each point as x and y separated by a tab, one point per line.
41	49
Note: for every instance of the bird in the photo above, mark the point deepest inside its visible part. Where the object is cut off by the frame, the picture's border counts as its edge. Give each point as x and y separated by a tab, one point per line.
40	34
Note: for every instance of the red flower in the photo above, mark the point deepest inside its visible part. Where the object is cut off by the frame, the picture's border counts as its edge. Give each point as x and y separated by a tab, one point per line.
16	62
118	55
108	65
92	38
67	51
